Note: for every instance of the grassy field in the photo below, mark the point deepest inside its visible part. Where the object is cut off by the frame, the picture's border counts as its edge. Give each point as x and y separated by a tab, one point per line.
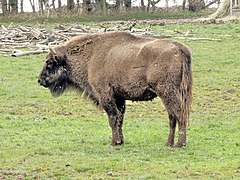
68	138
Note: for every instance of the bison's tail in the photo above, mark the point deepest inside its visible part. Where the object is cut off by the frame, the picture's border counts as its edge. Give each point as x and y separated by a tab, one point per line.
186	86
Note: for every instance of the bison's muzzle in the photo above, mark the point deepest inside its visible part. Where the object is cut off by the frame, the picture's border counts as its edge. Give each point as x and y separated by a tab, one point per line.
43	83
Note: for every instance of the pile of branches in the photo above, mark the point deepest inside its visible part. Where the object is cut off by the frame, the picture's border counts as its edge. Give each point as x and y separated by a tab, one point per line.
22	40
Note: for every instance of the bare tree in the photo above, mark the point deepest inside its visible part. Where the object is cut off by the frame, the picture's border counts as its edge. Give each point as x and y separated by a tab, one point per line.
104	8
87	6
53	5
59	4
122	6
70	4
142	5
148	5
118	4
196	5
4	7
13	6
32	2
47	8
153	4
21	6
41	3
128	5
184	5
223	10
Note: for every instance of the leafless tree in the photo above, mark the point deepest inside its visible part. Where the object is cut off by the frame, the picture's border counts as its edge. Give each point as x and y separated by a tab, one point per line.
53	5
143	8
13	4
4	6
153	4
223	10
32	2
59	4
41	3
104	8
47	8
70	4
21	6
196	5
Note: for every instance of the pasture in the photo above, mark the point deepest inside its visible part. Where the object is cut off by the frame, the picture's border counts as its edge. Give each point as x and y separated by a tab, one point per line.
68	138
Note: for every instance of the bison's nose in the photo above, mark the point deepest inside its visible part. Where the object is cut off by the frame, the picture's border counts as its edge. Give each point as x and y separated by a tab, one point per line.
42	82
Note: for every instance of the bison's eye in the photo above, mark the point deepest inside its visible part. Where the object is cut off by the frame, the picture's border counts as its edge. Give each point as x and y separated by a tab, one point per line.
51	64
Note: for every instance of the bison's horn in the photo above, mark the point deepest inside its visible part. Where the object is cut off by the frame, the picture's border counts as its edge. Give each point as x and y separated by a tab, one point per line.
53	51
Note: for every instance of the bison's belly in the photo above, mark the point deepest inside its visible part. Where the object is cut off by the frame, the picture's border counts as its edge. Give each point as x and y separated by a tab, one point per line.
137	95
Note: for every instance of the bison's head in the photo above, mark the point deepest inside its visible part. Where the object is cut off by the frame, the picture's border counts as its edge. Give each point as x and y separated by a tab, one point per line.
54	74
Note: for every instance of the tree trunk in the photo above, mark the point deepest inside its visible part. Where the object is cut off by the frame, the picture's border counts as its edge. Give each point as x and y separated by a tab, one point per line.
21	6
59	4
70	4
167	5
40	2
148	6
53	4
47	8
13	6
78	4
223	10
33	5
128	5
196	5
118	4
4	7
87	6
184	5
104	9
153	3
142	5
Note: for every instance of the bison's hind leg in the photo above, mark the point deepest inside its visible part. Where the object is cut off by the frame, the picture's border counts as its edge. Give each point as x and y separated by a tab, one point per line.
172	127
172	102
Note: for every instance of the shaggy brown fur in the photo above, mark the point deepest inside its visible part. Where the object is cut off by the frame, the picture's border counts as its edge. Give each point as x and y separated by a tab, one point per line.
113	67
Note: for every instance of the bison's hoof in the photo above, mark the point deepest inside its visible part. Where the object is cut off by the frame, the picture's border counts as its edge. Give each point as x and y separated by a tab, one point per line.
169	144
117	143
180	144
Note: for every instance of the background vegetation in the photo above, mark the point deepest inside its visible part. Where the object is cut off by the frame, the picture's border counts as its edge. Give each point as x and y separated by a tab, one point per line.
55	8
68	138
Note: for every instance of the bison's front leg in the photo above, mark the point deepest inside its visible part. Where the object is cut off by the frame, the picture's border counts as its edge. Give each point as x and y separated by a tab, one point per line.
121	107
115	118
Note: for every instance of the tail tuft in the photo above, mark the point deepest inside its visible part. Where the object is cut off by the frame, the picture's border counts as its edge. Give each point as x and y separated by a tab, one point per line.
186	87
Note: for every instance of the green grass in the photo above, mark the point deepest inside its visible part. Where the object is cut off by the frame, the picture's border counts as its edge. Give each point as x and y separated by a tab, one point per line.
68	138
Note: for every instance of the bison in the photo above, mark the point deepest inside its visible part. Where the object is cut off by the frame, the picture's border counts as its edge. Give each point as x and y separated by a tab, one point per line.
111	68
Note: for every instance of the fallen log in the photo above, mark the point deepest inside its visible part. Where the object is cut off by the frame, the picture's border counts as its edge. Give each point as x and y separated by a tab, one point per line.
203	39
197	39
9	50
39	51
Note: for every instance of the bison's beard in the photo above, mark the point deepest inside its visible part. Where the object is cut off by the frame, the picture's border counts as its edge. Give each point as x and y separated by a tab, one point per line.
58	88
